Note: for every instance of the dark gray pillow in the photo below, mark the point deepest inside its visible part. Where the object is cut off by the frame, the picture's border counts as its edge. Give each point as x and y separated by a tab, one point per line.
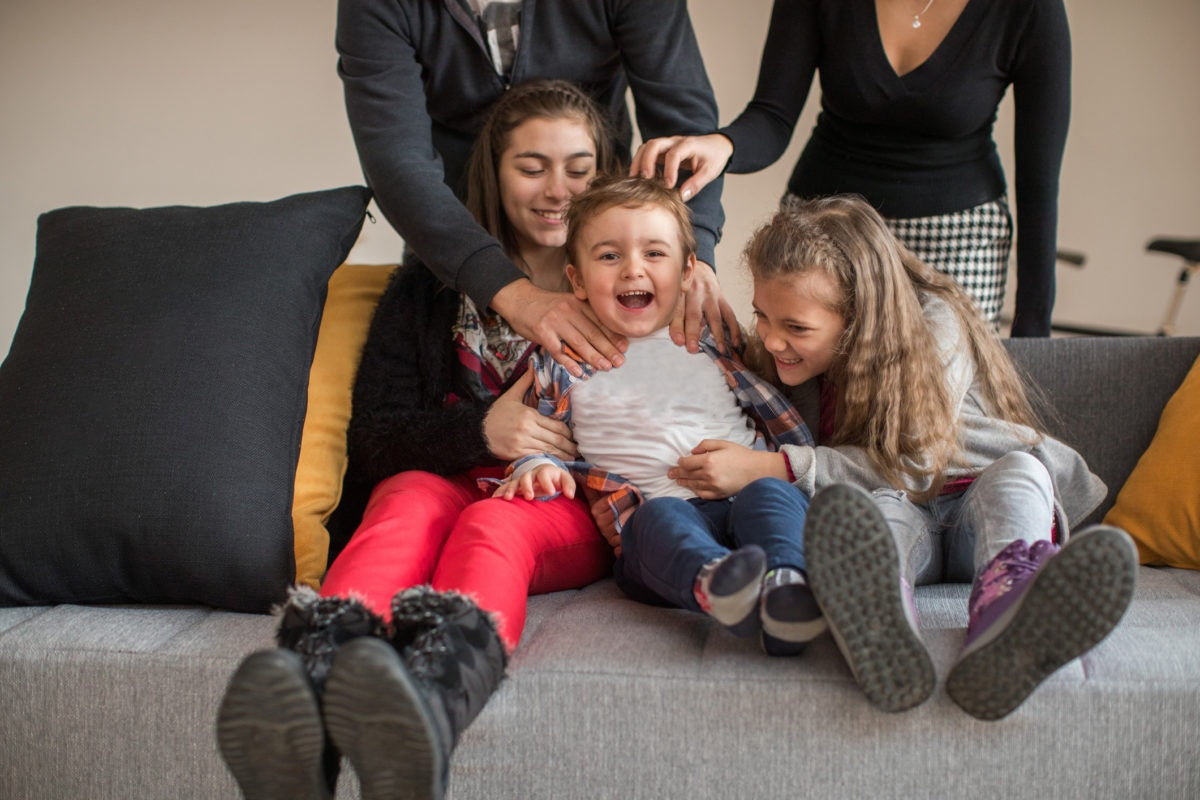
152	401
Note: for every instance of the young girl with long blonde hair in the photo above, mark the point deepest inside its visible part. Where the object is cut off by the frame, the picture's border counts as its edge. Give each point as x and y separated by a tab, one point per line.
919	403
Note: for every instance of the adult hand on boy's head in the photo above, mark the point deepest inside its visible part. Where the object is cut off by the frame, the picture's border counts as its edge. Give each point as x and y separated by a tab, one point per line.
705	156
513	429
717	469
556	321
704	301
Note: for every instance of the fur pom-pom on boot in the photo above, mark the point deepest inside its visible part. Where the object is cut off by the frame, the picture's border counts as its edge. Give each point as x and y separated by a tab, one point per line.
315	627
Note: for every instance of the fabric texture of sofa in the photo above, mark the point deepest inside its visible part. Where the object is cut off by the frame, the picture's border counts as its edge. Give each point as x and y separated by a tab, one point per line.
607	698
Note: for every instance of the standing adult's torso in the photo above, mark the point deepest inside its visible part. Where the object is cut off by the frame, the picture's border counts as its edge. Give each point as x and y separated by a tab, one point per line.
916	144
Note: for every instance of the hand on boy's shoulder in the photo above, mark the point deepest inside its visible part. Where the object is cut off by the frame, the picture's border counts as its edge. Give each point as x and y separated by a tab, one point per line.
558	321
705	304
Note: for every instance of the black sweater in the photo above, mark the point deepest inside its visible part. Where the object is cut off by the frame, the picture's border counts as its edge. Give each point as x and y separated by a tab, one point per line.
419	81
921	144
400	418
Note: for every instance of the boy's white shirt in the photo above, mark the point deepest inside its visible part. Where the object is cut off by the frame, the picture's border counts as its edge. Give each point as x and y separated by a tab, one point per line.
638	420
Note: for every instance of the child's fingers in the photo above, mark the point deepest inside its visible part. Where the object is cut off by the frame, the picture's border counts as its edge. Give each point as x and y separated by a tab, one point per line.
526	486
546	483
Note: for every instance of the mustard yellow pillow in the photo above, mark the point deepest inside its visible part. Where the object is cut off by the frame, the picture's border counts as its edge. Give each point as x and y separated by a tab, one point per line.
1159	505
353	293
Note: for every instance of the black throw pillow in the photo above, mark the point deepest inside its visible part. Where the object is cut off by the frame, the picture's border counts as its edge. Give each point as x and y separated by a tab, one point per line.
152	401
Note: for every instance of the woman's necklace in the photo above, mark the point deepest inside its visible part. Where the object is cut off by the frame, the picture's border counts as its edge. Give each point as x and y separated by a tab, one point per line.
917	16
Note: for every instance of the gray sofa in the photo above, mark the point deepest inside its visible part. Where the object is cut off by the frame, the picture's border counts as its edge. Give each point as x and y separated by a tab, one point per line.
607	698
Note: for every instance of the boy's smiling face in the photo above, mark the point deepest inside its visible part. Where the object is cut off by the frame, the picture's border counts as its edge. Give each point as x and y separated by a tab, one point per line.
629	265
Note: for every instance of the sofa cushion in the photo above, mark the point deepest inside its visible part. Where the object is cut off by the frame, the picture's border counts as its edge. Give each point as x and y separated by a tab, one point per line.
152	401
1110	423
1159	505
354	292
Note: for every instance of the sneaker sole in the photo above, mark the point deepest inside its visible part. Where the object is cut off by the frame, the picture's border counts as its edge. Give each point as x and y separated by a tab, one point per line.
854	571
376	716
1075	601
269	730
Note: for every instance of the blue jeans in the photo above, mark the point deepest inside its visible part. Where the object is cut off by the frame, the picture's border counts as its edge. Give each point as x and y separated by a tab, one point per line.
954	536
667	540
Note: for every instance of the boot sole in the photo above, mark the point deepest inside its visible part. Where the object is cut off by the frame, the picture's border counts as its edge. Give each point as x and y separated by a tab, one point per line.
377	717
854	571
1075	601
269	730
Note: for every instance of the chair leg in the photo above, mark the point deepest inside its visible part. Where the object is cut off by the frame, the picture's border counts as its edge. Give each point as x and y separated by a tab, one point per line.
1168	324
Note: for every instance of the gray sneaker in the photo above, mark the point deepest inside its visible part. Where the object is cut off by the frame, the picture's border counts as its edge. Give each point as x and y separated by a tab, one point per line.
854	570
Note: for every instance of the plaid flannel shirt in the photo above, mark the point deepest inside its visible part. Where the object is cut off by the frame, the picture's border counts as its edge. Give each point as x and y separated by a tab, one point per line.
776	421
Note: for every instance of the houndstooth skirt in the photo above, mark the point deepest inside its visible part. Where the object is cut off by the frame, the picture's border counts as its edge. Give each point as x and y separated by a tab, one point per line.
972	246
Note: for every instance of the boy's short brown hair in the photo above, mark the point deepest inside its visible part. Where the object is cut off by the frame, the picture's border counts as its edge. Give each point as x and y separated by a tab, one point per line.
609	192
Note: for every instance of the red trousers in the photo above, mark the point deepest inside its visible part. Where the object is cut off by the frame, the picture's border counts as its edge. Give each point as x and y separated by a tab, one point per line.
421	528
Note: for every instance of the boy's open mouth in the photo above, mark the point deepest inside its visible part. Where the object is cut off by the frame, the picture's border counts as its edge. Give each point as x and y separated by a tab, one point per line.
635	299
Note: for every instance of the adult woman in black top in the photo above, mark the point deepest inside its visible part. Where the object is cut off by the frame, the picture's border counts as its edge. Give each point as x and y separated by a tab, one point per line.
909	92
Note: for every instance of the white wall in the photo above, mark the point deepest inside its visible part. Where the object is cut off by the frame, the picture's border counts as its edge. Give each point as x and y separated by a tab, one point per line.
150	102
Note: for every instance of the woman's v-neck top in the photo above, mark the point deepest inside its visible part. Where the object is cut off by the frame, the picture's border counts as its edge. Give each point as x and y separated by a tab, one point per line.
918	144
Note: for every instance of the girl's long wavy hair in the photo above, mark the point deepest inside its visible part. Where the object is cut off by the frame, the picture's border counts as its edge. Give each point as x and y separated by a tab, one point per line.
540	98
892	397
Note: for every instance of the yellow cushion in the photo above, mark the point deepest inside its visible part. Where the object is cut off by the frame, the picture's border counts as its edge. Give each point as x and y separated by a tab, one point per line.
353	292
1159	505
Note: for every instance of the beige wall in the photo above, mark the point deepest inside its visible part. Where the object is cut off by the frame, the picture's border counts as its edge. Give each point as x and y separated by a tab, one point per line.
144	102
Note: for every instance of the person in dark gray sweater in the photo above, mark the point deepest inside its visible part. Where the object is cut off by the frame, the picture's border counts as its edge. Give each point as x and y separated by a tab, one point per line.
419	76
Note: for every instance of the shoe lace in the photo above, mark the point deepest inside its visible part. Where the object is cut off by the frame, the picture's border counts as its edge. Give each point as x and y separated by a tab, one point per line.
1007	570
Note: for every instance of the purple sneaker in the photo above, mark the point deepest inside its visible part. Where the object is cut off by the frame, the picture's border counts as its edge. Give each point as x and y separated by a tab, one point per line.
1034	609
1001	585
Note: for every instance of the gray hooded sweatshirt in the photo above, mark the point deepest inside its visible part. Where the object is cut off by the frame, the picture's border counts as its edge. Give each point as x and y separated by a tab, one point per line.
983	437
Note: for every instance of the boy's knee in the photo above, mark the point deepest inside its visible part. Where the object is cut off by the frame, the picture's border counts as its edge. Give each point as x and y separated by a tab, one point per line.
775	489
770	486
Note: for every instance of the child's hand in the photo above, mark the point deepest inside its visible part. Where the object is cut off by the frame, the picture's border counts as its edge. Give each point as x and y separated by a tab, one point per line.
603	515
544	480
718	469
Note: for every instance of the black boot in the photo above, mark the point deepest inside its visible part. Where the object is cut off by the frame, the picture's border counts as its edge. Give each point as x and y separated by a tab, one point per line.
397	711
269	727
315	627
